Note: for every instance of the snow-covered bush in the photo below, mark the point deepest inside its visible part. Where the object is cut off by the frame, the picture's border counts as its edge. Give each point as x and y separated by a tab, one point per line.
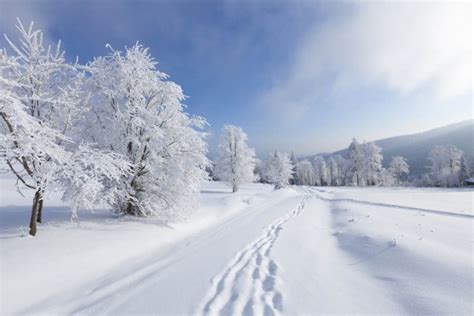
236	161
137	113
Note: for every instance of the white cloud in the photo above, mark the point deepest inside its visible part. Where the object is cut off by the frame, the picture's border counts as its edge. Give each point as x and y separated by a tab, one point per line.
403	47
27	12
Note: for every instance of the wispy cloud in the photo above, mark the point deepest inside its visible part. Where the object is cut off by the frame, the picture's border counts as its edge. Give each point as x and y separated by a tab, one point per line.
401	47
26	11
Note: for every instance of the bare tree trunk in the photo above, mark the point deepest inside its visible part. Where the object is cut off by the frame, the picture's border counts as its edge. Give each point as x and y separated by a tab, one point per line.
129	210
34	212
40	210
234	188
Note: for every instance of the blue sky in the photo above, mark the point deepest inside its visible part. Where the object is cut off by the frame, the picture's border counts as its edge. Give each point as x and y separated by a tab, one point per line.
295	75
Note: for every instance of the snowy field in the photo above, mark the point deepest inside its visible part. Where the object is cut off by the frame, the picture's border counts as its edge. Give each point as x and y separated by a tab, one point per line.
302	250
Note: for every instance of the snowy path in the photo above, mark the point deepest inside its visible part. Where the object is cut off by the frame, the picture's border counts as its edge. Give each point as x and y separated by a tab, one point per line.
173	279
317	277
249	285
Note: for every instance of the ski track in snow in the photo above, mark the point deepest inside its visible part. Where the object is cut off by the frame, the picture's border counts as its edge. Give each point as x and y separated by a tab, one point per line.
406	208
249	284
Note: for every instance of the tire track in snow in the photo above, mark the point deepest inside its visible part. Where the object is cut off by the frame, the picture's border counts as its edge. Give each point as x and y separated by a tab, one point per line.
406	208
249	284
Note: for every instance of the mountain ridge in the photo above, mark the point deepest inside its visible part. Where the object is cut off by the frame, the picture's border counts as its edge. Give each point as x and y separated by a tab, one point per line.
416	147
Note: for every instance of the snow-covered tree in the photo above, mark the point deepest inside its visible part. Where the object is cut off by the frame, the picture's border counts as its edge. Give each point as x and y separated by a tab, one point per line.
446	162
342	169
320	171
294	162
423	181
333	172
37	100
398	167
372	162
386	178
365	164
236	161
260	171
91	177
465	172
278	169
305	174
41	99
138	113
356	164
256	170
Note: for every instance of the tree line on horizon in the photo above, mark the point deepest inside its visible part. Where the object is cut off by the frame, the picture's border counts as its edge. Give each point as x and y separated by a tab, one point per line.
237	163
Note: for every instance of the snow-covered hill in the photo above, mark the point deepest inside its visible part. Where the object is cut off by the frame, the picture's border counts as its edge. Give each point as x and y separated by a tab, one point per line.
301	250
416	147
